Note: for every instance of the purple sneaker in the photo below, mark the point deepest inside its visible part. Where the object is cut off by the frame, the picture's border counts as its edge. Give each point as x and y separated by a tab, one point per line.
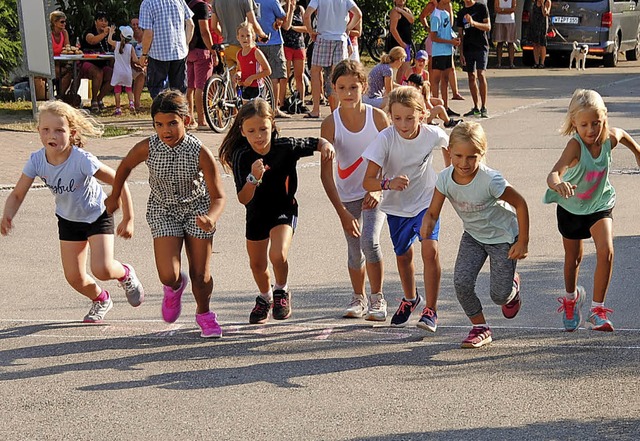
511	309
209	325
171	306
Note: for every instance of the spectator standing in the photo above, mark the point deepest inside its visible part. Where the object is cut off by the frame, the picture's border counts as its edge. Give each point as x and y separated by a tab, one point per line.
94	40
538	27
168	28
294	47
332	29
227	16
199	61
473	23
271	16
443	40
505	29
400	28
139	73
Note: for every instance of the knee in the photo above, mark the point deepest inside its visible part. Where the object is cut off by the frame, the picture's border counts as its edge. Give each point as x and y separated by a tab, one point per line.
355	260
277	257
75	279
605	254
258	266
405	259
463	285
101	271
372	251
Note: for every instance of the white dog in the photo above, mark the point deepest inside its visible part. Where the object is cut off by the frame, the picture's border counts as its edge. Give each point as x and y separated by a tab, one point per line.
579	53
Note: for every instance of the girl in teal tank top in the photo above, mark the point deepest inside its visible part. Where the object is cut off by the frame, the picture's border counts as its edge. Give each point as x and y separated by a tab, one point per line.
579	184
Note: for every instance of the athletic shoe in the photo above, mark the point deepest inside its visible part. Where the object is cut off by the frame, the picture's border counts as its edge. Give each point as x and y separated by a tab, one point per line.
571	310
171	305
429	320
377	311
451	112
598	320
510	310
484	113
98	311
452	123
478	336
132	287
118	112
209	325
260	312
404	311
473	112
357	308
281	304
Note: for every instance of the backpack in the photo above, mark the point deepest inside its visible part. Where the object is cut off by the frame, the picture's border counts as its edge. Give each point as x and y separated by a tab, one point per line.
293	103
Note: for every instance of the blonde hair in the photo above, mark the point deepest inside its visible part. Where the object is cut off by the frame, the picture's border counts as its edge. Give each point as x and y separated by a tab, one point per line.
81	123
408	96
395	54
249	26
584	100
54	17
469	132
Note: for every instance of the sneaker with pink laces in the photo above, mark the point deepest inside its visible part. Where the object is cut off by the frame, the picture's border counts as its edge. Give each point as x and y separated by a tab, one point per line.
209	325
479	336
598	320
571	310
511	309
171	305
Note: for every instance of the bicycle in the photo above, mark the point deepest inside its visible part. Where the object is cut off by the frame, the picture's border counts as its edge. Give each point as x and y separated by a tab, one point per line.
222	99
374	37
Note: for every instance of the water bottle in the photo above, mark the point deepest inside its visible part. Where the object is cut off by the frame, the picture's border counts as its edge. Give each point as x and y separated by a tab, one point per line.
240	93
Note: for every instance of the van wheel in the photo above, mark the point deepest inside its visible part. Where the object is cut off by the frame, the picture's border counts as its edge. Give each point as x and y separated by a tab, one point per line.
611	60
527	58
634	54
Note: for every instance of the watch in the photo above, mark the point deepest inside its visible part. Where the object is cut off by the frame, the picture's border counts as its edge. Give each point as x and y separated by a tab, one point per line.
253	180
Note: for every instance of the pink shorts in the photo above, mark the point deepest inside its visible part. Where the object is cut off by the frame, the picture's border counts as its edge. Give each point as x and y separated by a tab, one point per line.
199	68
86	66
294	54
118	89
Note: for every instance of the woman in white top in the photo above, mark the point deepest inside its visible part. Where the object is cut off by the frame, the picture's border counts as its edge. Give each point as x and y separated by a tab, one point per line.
504	30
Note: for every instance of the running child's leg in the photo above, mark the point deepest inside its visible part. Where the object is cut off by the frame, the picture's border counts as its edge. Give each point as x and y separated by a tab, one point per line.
74	262
199	255
572	260
602	233
471	257
432	271
502	271
372	223
257	250
280	236
407	273
167	251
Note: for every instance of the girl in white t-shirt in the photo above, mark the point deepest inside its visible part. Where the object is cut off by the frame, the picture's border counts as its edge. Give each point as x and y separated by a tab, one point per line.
351	128
401	164
485	202
72	174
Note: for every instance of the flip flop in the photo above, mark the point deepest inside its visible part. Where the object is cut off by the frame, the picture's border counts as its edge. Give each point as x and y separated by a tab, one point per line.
310	116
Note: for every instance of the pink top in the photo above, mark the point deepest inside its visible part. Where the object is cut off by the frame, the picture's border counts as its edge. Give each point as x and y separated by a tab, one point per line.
57	47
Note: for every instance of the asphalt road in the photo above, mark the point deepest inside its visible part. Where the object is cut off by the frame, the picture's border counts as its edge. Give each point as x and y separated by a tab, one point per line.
317	376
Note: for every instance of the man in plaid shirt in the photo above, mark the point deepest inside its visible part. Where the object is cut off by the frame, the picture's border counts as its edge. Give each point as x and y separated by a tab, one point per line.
168	28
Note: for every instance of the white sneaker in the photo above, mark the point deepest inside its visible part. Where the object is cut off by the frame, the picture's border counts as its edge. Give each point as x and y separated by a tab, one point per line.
132	287
357	307
98	311
377	308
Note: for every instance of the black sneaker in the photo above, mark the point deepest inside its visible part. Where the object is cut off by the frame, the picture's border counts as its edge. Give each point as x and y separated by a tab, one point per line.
260	312
451	112
401	317
281	304
484	113
303	109
473	112
452	123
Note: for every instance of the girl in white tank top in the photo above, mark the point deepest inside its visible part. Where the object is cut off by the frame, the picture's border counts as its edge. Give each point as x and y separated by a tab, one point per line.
358	210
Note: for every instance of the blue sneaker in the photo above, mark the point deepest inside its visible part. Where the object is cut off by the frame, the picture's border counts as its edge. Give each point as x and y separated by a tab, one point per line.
598	320
401	317
429	320
572	316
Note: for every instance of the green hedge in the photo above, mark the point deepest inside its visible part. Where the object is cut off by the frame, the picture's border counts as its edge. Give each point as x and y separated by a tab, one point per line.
10	41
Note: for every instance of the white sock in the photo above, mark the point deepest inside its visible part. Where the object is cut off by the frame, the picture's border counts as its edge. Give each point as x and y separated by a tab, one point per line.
284	287
572	295
596	305
268	296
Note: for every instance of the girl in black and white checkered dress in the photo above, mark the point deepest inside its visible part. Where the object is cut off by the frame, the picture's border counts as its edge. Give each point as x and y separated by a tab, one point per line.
186	200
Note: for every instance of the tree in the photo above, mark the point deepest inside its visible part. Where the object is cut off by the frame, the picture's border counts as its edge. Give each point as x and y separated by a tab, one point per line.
10	41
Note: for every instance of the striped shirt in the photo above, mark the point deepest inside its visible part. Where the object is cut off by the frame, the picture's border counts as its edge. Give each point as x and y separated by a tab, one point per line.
166	18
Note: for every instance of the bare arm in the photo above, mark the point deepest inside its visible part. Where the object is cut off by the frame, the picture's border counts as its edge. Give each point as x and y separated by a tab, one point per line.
213	181
307	22
433	213
426	12
291	7
13	203
357	17
110	37
138	154
570	157
215	24
147	38
520	249
406	12
393	26
107	175
251	17
65	36
205	32
622	137
188	29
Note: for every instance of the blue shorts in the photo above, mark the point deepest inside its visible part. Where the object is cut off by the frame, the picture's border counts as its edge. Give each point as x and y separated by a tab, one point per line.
405	230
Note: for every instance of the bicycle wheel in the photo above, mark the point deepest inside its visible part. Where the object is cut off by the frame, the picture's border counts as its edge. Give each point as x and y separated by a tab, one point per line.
219	103
266	92
305	79
376	47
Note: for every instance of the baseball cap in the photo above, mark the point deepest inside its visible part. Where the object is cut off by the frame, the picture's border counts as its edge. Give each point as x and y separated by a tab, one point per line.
126	32
422	55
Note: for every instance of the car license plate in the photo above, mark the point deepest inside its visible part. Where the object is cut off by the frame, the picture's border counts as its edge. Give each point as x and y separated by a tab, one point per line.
565	20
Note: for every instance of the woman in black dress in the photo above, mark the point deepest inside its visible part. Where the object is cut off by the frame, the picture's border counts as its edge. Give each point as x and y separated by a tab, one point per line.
538	28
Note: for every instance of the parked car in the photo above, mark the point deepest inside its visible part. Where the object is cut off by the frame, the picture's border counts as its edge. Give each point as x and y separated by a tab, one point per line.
608	27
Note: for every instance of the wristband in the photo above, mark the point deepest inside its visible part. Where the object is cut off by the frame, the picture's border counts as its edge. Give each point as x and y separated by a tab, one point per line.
144	55
385	184
253	180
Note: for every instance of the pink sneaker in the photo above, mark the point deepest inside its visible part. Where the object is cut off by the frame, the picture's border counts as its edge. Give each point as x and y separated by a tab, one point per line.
511	309
171	306
209	325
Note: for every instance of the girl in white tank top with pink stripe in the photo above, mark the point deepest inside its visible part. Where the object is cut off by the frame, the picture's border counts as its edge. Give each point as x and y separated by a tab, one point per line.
351	128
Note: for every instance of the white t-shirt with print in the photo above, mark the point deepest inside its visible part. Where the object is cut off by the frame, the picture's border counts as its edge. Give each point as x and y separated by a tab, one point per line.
333	17
411	157
484	216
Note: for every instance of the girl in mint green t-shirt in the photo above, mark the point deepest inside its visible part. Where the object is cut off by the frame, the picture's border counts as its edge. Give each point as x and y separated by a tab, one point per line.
579	184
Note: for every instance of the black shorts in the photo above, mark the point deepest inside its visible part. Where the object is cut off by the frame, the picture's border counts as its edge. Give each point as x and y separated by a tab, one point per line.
578	226
259	227
80	231
249	93
475	60
442	62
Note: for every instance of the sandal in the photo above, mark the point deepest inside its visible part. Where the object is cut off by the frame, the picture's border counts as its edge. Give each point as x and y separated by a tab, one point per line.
310	116
94	107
